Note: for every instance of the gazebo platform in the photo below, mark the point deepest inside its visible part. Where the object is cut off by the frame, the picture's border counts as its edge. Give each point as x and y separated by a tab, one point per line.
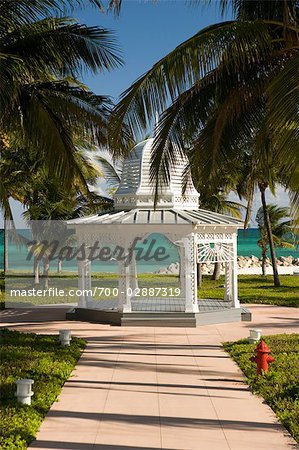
161	313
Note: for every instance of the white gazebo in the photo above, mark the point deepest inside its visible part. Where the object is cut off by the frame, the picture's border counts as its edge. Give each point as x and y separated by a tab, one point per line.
200	235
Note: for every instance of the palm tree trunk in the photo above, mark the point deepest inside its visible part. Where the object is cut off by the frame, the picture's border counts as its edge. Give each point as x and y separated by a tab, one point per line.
262	187
46	272
36	270
199	275
264	258
59	265
216	273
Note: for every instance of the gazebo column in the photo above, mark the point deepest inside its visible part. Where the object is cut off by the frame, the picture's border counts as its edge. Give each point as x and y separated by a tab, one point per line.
234	271
133	273
190	261
124	287
84	277
228	281
182	272
88	279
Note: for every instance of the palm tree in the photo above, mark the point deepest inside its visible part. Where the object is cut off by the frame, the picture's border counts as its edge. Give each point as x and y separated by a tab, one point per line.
280	229
42	103
258	168
25	177
225	73
49	205
10	187
230	85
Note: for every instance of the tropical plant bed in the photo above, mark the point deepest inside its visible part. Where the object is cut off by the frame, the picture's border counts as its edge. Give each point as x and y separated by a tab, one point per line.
42	359
280	387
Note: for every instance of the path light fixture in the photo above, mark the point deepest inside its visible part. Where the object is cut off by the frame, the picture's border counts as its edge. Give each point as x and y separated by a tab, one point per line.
65	337
255	336
24	391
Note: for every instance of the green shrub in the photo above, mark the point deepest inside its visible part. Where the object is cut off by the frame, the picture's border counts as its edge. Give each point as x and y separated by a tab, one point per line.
280	387
49	364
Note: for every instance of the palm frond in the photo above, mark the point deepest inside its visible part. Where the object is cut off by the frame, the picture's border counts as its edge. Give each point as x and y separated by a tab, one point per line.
26	11
232	44
61	45
283	114
111	173
51	116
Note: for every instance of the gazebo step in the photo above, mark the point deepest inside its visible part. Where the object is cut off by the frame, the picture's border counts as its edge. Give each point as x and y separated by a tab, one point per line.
158	314
161	319
158	321
94	315
220	316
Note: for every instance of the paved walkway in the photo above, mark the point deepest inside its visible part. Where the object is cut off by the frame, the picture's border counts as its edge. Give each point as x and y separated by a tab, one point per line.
155	388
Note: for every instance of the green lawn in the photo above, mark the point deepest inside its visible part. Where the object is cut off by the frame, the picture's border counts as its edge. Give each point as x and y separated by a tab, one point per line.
257	289
280	388
252	288
49	364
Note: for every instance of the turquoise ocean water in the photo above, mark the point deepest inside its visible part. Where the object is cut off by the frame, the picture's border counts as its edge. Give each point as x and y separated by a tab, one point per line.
247	245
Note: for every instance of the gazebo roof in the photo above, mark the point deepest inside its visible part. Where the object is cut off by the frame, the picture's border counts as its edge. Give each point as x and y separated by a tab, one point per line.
137	190
134	199
162	216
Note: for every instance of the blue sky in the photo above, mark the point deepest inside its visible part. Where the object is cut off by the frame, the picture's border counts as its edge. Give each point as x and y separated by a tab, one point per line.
146	31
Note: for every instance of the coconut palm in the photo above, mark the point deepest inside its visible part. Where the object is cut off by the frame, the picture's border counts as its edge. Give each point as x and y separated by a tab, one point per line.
258	168
280	229
42	103
224	74
10	187
25	177
48	205
231	85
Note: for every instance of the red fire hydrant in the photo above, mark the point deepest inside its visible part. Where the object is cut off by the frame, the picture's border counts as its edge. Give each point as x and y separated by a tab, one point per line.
262	358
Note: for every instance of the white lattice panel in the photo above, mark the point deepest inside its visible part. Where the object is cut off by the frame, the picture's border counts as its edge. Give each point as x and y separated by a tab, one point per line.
214	237
215	252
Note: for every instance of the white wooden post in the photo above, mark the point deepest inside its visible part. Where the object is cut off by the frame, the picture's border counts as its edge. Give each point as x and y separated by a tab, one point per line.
88	295
133	273
228	281
236	303
190	261
81	284
182	273
124	287
84	282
